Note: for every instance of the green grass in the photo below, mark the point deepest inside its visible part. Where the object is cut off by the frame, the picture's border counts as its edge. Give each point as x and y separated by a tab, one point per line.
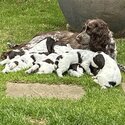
20	20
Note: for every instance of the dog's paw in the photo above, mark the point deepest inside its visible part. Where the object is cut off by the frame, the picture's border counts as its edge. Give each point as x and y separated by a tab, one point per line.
90	74
2	63
59	73
94	77
5	71
28	72
96	81
103	87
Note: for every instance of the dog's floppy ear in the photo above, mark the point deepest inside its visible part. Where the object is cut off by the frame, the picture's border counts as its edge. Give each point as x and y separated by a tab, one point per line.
101	30
99	60
3	55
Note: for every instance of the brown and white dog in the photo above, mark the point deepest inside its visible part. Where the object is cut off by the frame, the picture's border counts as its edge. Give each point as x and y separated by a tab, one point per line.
96	36
101	38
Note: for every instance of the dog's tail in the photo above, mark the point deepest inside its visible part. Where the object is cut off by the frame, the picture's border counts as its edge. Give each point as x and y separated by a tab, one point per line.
121	67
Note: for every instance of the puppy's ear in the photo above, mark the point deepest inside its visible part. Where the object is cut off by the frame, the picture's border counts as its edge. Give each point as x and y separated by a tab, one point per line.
99	60
4	55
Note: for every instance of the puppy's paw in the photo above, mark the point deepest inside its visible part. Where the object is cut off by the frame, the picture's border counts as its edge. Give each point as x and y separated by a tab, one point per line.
28	71
96	81
94	77
2	63
5	71
103	87
59	73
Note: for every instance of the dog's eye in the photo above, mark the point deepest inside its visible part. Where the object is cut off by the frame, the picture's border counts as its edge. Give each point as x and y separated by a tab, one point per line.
96	25
88	28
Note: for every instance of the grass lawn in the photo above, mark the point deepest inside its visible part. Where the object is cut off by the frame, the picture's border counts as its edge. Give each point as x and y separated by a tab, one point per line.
20	20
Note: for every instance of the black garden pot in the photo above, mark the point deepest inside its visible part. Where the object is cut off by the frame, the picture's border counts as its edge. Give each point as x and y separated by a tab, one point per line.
111	11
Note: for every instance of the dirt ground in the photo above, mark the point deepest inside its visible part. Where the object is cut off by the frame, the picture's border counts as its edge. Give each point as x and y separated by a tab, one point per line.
44	90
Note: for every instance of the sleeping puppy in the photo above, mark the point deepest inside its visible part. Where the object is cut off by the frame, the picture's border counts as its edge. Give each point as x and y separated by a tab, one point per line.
109	74
51	46
45	45
86	57
23	62
66	60
61	48
7	56
45	66
76	70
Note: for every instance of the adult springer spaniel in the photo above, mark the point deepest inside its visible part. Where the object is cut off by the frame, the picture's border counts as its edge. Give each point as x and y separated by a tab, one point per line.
101	38
96	37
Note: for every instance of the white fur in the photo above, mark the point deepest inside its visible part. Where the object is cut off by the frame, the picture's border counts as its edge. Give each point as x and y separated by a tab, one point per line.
71	58
62	49
87	56
8	60
77	73
39	47
45	67
34	48
67	59
5	61
109	73
24	62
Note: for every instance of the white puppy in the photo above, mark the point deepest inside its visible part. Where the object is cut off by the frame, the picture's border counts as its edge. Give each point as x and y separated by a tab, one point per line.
109	74
83	57
44	67
60	49
87	56
64	61
23	62
11	55
44	45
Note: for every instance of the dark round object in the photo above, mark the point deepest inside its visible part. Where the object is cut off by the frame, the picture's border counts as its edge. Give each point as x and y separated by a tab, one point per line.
111	11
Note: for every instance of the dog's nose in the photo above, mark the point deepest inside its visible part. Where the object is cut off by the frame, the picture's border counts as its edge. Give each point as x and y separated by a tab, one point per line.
79	37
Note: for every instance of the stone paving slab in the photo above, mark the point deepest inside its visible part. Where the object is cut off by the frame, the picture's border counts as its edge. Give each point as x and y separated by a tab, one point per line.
36	121
123	86
44	90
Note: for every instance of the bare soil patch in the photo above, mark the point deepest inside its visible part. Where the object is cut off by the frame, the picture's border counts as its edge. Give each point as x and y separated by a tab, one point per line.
44	90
